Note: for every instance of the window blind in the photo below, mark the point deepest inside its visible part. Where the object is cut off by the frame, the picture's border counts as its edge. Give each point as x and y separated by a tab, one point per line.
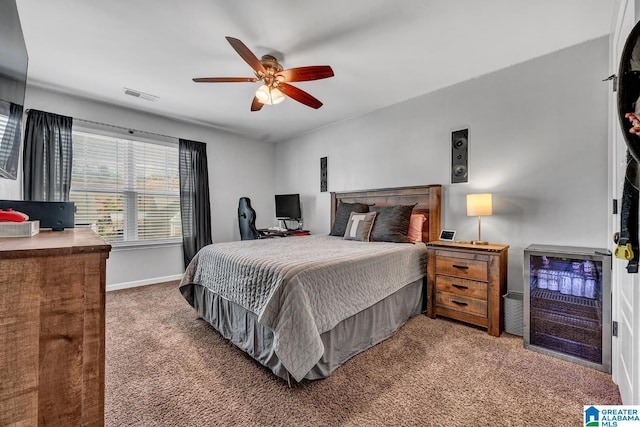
126	190
4	120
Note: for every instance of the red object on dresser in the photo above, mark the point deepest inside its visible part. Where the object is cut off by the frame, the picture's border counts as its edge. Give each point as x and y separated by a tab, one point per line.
13	216
299	233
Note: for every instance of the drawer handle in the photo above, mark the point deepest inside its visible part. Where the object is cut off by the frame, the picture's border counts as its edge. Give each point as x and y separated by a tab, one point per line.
459	303
462	267
459	286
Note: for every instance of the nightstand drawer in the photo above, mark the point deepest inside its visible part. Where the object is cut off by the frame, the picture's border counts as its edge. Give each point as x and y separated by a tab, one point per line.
461	267
461	303
468	288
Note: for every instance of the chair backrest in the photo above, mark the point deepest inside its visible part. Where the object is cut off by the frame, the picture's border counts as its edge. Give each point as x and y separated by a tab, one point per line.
247	220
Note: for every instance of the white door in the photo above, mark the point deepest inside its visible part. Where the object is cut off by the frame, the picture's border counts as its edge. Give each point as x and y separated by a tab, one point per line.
625	286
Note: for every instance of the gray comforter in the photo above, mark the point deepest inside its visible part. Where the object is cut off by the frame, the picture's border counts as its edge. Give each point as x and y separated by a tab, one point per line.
303	286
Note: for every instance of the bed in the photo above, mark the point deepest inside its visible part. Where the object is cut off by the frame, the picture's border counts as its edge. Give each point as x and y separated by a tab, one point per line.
302	306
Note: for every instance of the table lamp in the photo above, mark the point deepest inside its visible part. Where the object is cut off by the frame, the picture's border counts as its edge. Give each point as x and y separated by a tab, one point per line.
479	205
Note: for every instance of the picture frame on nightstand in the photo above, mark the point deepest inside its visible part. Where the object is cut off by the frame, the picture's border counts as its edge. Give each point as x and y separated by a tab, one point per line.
447	235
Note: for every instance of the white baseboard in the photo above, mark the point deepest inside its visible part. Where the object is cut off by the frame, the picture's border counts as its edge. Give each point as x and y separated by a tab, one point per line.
136	283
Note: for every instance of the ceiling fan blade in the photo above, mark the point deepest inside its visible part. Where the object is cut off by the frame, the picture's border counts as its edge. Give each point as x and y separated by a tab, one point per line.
247	55
301	74
299	95
256	105
224	79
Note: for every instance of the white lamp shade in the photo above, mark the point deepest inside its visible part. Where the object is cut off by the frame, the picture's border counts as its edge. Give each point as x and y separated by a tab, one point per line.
263	94
268	95
276	96
479	204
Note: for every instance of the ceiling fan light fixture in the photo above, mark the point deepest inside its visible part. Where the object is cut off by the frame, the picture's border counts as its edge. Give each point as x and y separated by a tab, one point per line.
269	95
276	80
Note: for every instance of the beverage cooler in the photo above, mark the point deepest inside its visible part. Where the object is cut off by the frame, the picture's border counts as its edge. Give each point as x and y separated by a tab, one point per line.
567	303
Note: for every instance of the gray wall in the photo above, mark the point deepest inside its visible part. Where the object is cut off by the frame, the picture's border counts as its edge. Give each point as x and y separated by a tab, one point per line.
237	167
537	141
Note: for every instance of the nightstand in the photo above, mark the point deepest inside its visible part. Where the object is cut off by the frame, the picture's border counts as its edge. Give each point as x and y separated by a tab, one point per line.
466	282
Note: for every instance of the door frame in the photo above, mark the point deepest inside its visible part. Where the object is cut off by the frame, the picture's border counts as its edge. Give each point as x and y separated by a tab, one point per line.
626	376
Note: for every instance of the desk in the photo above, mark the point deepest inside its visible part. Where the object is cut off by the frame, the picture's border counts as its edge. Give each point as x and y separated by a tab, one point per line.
265	233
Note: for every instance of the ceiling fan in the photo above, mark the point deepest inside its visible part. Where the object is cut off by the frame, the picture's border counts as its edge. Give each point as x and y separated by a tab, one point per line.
274	78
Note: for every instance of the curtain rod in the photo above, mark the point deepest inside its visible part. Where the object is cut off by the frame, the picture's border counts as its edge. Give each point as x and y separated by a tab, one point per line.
130	131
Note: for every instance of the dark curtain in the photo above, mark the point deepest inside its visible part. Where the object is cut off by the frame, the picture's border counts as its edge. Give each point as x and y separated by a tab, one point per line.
10	144
47	156
195	209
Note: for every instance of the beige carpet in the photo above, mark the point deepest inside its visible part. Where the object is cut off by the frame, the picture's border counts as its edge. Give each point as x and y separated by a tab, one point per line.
167	367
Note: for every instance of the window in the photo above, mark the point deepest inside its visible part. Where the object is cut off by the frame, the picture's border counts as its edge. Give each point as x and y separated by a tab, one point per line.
126	190
4	122
10	126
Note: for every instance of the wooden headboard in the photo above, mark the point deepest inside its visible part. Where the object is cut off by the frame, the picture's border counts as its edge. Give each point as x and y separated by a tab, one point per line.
427	199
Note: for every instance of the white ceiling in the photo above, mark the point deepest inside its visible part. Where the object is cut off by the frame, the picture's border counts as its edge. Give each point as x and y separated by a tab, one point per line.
382	51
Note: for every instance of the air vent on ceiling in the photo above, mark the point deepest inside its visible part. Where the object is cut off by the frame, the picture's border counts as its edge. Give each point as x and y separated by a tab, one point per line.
138	94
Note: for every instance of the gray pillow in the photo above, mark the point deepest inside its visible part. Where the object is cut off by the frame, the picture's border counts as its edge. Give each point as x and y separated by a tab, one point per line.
359	226
392	223
342	216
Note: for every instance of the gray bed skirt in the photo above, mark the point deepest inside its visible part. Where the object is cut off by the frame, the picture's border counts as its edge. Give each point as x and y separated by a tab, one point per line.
350	337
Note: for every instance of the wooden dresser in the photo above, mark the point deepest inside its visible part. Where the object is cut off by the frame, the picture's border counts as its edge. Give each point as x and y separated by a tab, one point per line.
52	329
466	282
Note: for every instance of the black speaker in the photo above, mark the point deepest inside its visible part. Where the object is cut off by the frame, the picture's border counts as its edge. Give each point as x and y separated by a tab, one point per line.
54	215
323	174
459	156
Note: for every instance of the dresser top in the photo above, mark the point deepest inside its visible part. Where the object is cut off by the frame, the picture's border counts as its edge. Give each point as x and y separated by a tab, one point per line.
490	247
48	243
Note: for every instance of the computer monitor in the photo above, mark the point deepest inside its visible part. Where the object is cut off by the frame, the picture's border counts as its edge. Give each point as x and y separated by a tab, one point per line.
288	207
